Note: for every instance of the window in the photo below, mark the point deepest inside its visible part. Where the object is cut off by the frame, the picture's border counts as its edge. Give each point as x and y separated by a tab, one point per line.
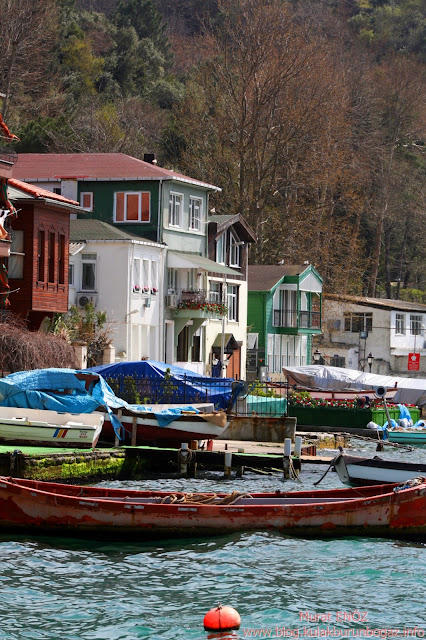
17	255
154	277
88	276
221	249
145	276
234	252
61	259
415	325
132	206
175	210
195	213
86	200
71	275
233	302
400	323
172	280
183	345
57	190
41	257
137	279
51	257
356	322
216	292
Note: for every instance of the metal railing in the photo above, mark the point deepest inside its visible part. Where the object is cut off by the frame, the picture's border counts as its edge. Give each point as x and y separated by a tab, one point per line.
294	319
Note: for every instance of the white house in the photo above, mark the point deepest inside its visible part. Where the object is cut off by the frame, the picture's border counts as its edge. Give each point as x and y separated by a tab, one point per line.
355	328
121	274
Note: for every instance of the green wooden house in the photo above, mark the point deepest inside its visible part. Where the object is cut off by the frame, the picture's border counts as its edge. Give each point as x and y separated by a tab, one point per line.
284	312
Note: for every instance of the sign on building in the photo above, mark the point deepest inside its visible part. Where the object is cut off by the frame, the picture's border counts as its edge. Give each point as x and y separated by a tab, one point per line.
413	361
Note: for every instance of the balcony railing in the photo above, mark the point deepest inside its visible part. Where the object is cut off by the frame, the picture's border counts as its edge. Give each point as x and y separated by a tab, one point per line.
195	300
293	319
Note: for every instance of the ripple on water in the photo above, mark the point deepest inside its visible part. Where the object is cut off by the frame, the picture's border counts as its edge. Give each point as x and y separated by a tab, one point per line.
63	589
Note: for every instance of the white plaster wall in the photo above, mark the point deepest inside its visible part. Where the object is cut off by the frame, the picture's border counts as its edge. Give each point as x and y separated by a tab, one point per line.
137	329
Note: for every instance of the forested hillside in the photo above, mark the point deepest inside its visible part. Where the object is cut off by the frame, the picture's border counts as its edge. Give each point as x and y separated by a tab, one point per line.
310	115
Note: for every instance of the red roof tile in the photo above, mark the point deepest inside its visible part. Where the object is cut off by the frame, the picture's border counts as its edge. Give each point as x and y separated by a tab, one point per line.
92	166
38	192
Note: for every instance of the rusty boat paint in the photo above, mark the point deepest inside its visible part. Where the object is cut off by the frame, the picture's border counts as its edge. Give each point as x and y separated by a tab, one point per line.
45	507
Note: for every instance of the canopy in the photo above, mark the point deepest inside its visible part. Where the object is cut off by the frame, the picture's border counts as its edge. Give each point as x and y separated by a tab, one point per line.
409	390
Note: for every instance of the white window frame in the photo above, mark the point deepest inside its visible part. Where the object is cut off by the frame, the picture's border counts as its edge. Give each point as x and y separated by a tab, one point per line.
86	193
132	193
221	249
154	277
400	324
146	276
234	251
416	321
84	261
175	209
195	213
137	275
216	292
232	296
172	280
71	274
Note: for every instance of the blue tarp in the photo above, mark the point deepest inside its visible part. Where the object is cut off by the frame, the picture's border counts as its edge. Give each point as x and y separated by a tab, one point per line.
184	386
61	390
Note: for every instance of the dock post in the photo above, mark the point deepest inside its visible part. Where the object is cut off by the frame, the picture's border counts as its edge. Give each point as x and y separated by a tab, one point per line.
297	464
134	430
184	455
286	458
240	467
228	464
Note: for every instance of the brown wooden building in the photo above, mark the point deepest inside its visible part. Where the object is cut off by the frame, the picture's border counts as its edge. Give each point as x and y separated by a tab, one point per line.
38	262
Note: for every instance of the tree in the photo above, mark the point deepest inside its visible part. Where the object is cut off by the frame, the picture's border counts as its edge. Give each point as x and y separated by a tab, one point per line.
28	36
265	118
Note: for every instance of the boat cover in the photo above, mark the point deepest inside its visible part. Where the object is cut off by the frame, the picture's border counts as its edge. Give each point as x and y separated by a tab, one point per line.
61	390
196	388
409	390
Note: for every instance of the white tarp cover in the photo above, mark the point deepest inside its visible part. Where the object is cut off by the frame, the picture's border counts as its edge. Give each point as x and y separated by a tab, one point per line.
409	390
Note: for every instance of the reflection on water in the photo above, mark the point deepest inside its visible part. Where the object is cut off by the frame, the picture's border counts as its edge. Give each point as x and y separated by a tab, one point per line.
66	589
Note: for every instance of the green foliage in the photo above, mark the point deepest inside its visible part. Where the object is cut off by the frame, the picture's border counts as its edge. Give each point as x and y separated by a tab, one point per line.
89	326
413	295
129	392
259	389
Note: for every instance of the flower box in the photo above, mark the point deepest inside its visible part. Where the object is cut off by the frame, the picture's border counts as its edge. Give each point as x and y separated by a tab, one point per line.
341	417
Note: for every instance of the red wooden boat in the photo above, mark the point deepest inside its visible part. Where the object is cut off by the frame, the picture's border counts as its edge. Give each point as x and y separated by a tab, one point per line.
396	511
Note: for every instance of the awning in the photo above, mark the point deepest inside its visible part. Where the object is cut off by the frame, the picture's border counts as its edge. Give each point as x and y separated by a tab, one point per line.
76	247
180	260
230	343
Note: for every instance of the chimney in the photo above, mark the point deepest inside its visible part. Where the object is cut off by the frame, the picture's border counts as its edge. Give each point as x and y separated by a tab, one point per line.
150	158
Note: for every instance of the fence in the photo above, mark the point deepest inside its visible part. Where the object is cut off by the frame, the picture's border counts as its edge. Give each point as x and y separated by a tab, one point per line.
260	399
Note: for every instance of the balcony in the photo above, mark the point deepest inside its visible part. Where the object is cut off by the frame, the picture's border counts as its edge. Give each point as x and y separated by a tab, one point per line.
195	303
297	320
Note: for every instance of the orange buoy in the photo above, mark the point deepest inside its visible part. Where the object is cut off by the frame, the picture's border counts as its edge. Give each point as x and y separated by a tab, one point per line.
222	619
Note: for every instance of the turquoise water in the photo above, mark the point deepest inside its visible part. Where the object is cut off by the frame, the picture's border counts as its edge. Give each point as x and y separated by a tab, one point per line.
63	589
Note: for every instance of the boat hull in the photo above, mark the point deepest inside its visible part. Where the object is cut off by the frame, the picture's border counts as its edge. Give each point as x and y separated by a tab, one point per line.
34	427
407	436
146	429
357	471
91	511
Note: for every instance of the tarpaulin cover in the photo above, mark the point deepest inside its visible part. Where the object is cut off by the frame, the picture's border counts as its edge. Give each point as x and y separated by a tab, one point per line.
61	390
409	390
187	385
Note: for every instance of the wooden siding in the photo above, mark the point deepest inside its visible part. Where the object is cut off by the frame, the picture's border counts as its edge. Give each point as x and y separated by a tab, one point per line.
34	295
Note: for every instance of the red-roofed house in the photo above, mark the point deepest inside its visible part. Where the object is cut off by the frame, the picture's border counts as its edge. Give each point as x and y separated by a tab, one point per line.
158	205
38	262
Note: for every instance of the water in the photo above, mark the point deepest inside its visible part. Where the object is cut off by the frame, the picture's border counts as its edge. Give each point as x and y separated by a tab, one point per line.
63	589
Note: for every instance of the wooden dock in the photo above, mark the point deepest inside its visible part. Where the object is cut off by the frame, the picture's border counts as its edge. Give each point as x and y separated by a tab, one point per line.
124	463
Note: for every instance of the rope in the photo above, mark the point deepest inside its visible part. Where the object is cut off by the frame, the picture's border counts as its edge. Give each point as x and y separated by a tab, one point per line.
204	498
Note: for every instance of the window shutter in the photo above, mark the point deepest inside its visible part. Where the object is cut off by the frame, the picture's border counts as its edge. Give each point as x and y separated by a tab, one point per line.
119	207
